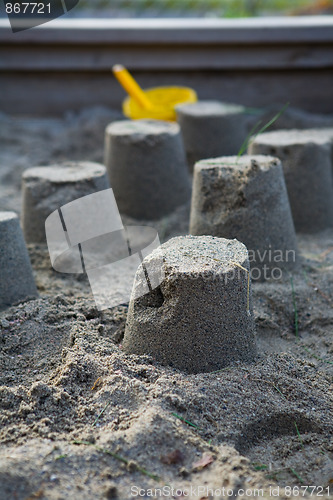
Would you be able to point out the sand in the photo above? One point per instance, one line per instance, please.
(82, 420)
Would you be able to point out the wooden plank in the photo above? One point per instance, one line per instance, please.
(42, 93)
(50, 58)
(311, 29)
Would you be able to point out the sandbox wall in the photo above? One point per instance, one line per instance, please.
(66, 64)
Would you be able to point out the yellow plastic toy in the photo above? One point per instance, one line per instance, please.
(158, 103)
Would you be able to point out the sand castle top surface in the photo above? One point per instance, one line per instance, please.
(65, 172)
(142, 127)
(292, 137)
(198, 254)
(238, 163)
(210, 108)
(5, 216)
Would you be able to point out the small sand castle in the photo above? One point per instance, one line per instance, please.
(306, 156)
(147, 167)
(200, 318)
(46, 189)
(246, 198)
(211, 129)
(16, 279)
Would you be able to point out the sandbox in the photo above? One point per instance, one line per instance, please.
(82, 419)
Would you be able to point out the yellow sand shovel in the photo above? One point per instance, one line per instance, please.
(158, 103)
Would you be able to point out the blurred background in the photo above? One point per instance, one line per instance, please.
(195, 8)
(259, 53)
(200, 8)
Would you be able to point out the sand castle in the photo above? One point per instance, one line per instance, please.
(147, 167)
(16, 279)
(306, 157)
(246, 198)
(211, 129)
(46, 189)
(200, 318)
